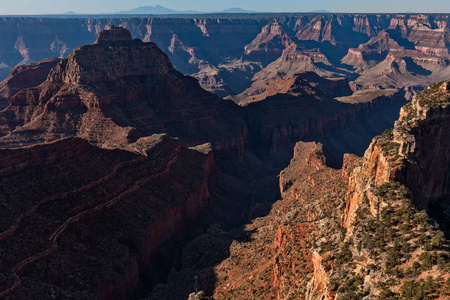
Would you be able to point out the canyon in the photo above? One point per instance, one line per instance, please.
(123, 178)
(355, 232)
(239, 55)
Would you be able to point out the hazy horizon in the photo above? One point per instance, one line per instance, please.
(32, 7)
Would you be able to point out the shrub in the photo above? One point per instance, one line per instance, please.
(387, 295)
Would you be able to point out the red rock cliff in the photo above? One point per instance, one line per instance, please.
(415, 153)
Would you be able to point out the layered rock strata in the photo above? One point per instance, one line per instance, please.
(88, 235)
(115, 91)
(239, 47)
(357, 232)
(25, 76)
(296, 109)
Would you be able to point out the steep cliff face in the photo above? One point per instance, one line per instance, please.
(421, 132)
(414, 153)
(402, 170)
(311, 193)
(357, 232)
(128, 197)
(428, 34)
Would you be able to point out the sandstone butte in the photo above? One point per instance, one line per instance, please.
(114, 164)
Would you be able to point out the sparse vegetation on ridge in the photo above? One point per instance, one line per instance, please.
(434, 96)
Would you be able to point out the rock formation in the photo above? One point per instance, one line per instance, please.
(369, 54)
(24, 76)
(334, 87)
(356, 232)
(118, 90)
(115, 91)
(248, 53)
(91, 234)
(269, 44)
(313, 111)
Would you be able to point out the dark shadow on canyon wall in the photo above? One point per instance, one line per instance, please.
(440, 211)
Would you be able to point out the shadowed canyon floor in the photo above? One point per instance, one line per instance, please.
(122, 178)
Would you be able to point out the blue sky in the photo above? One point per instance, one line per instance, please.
(108, 6)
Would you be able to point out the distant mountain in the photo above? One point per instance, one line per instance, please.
(161, 10)
(238, 10)
(321, 11)
(70, 13)
(156, 10)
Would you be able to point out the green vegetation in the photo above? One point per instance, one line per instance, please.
(351, 289)
(421, 290)
(387, 294)
(433, 96)
(385, 140)
(345, 255)
(395, 237)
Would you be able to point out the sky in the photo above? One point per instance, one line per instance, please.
(23, 7)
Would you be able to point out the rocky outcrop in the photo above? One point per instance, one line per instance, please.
(318, 286)
(269, 44)
(376, 169)
(295, 59)
(295, 86)
(212, 79)
(354, 232)
(369, 54)
(421, 132)
(24, 76)
(115, 91)
(414, 153)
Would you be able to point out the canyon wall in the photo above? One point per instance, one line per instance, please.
(414, 153)
(302, 109)
(228, 55)
(359, 231)
(409, 162)
(46, 238)
(119, 89)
